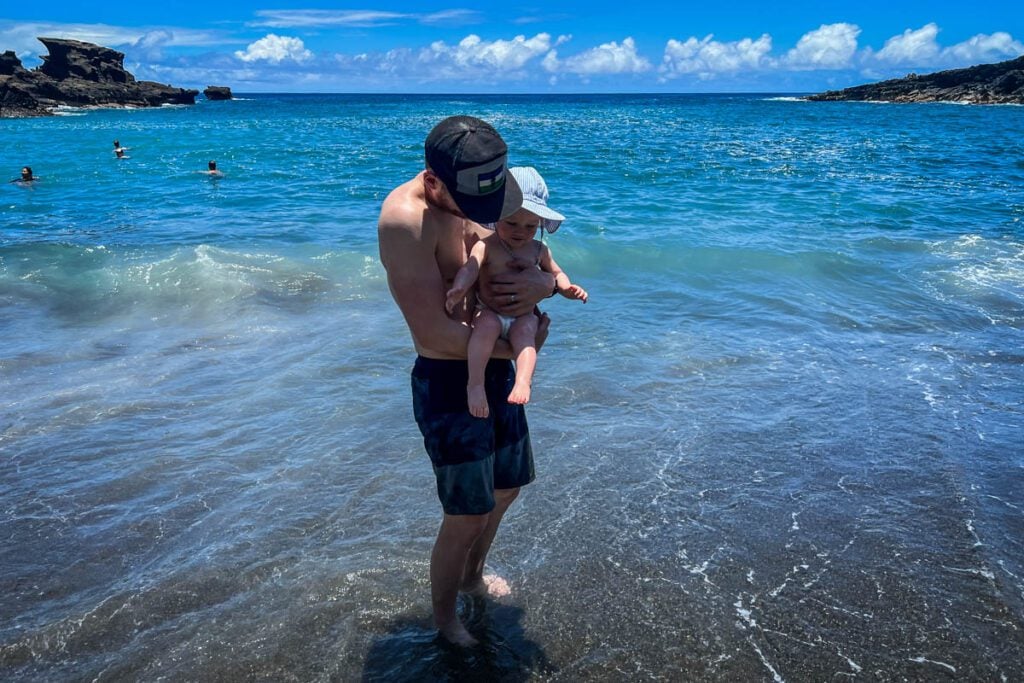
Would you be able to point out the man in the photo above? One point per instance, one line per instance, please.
(211, 170)
(427, 227)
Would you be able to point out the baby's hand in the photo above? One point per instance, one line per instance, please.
(453, 298)
(575, 292)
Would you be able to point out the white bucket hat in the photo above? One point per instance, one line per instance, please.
(535, 196)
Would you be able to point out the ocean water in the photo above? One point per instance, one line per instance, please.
(784, 440)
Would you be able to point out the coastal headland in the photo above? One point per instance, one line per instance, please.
(1000, 83)
(78, 74)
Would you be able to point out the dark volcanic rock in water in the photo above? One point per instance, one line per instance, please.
(78, 74)
(1001, 83)
(218, 92)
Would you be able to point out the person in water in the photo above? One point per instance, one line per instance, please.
(212, 170)
(426, 227)
(26, 176)
(513, 237)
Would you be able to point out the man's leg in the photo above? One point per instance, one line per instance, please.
(473, 573)
(455, 539)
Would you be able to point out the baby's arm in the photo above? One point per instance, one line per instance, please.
(562, 283)
(466, 277)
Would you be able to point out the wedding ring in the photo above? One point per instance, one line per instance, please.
(511, 298)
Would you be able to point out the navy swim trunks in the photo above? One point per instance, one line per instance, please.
(471, 456)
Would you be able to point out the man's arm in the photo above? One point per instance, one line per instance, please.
(418, 288)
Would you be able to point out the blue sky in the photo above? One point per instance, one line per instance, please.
(451, 46)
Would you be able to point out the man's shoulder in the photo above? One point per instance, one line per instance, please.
(402, 209)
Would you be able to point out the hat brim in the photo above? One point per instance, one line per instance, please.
(549, 218)
(490, 208)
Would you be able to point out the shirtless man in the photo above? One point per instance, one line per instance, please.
(427, 227)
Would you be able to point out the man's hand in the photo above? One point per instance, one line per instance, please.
(519, 290)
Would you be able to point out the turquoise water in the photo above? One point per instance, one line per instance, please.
(783, 440)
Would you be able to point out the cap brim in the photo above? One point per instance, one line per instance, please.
(490, 208)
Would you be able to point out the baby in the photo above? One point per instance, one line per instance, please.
(512, 239)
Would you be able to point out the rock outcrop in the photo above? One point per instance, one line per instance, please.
(78, 74)
(218, 92)
(1001, 83)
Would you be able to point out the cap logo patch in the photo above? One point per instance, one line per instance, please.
(492, 180)
(482, 180)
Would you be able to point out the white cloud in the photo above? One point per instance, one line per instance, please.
(150, 46)
(314, 18)
(912, 48)
(275, 49)
(324, 18)
(709, 57)
(983, 48)
(453, 17)
(608, 58)
(21, 36)
(831, 46)
(473, 52)
(920, 49)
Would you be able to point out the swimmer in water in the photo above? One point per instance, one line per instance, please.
(212, 170)
(26, 176)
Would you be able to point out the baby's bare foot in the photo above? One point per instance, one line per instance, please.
(477, 397)
(520, 394)
(489, 584)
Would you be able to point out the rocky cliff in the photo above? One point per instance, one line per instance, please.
(78, 74)
(218, 92)
(1001, 83)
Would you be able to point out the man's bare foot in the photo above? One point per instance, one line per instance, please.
(520, 394)
(477, 396)
(456, 634)
(490, 584)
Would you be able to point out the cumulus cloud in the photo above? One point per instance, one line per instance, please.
(920, 49)
(709, 57)
(983, 48)
(912, 48)
(275, 49)
(472, 52)
(608, 58)
(831, 46)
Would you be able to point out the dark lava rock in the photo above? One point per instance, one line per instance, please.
(218, 92)
(78, 74)
(1000, 83)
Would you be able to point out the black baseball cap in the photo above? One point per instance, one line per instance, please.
(471, 159)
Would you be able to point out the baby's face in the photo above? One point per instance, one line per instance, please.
(518, 229)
